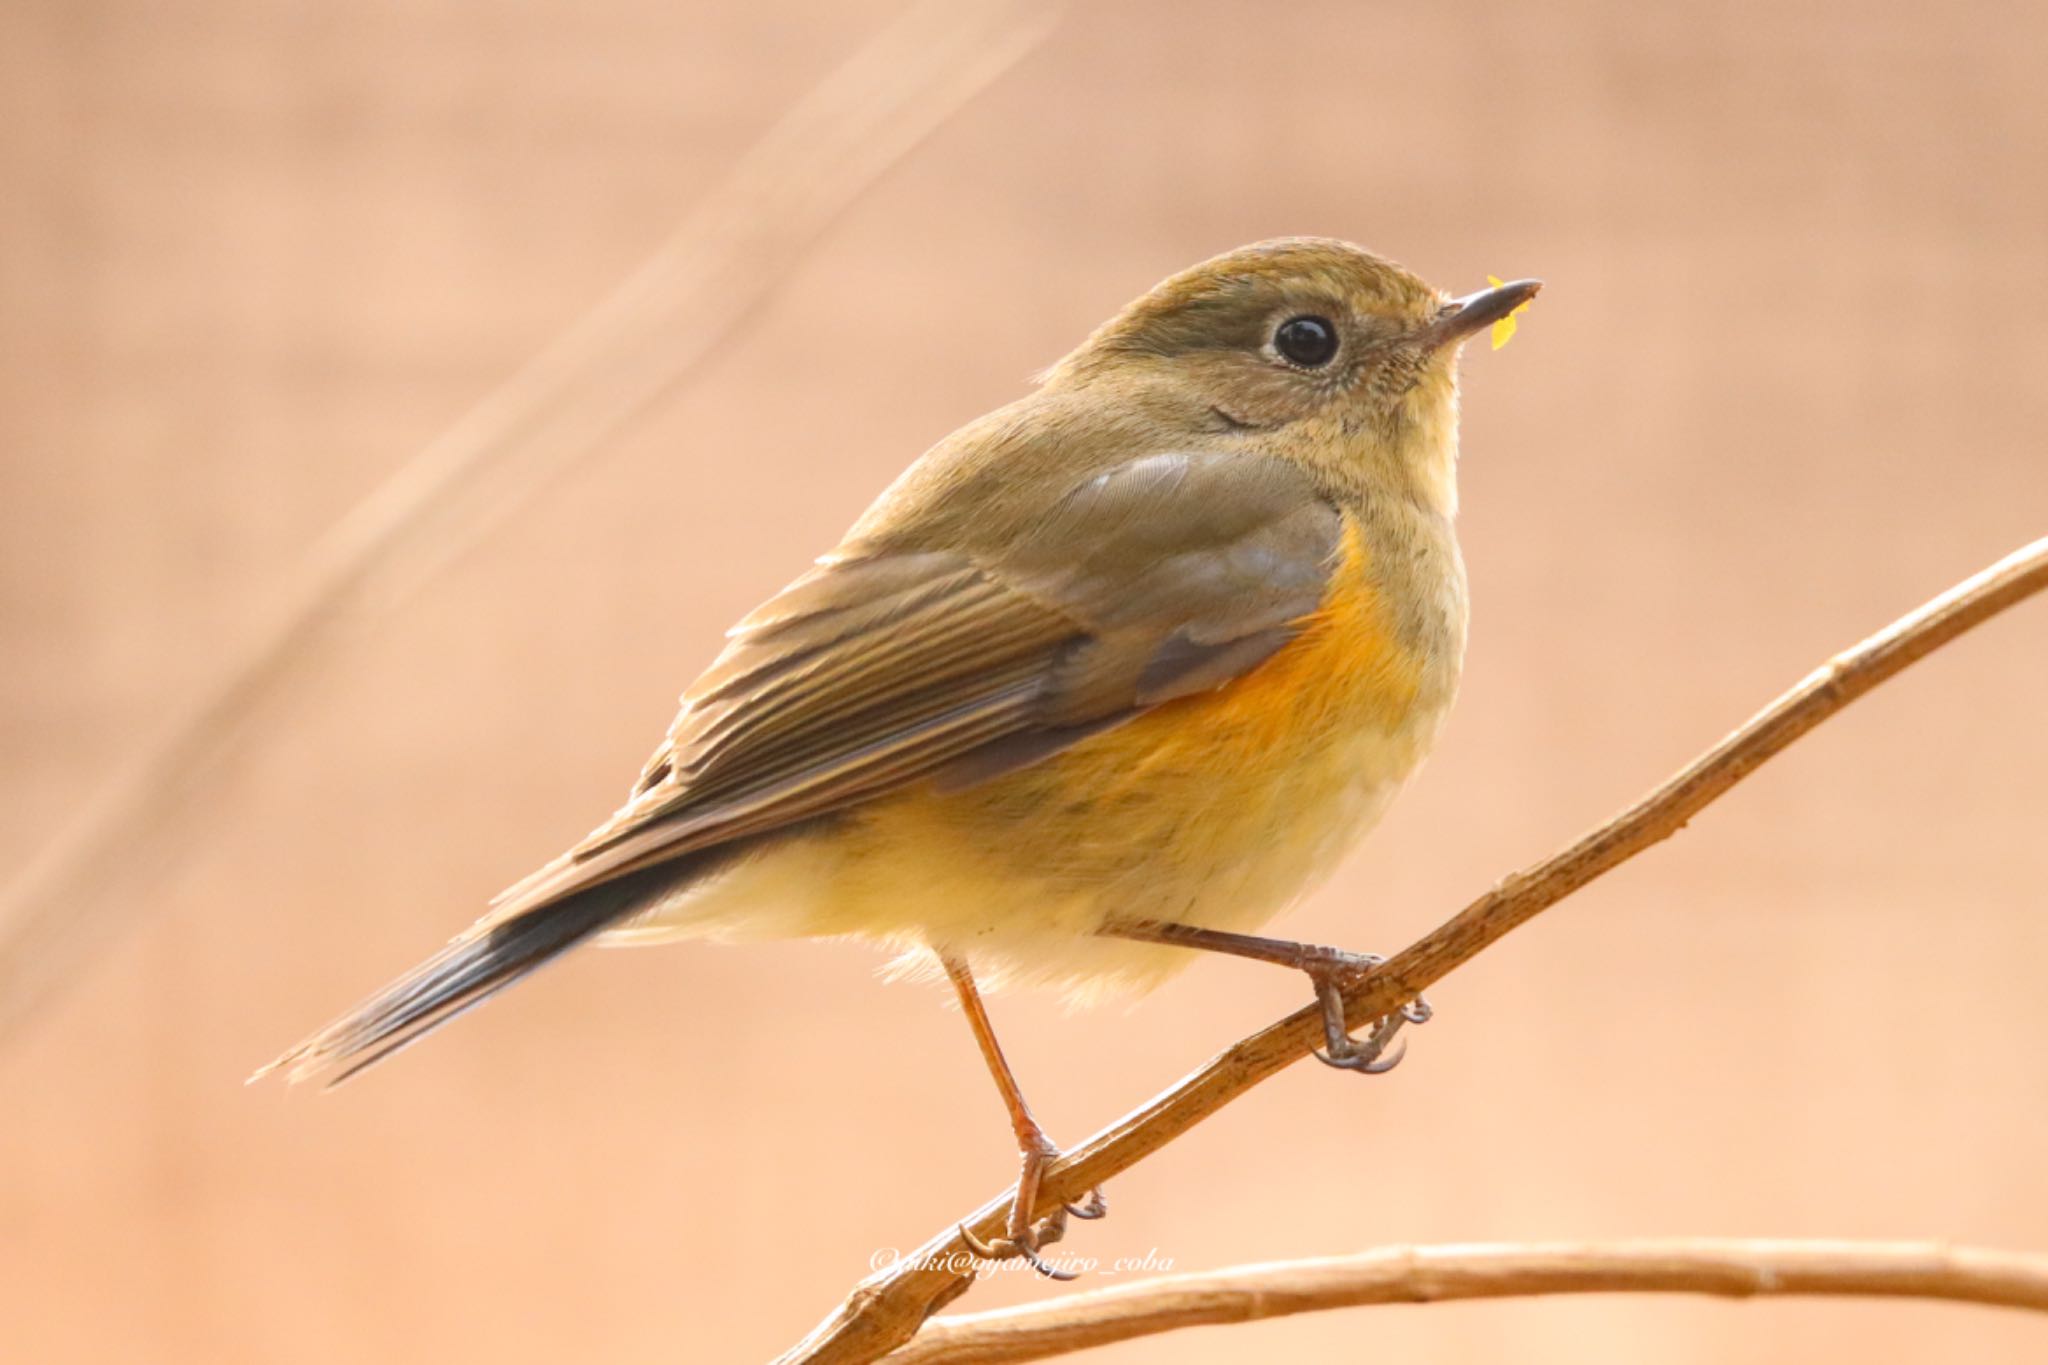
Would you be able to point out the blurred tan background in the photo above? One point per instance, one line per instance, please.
(1785, 383)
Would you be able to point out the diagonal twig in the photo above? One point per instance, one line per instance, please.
(885, 1310)
(1728, 1268)
(745, 236)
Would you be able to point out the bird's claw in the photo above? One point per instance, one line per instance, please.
(1368, 1056)
(1023, 1239)
(1027, 1242)
(1093, 1207)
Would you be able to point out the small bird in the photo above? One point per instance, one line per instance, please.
(1114, 672)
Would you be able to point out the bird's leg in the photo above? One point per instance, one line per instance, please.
(1023, 1237)
(1330, 969)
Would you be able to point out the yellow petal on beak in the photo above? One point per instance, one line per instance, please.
(1504, 330)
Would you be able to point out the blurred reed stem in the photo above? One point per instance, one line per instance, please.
(744, 238)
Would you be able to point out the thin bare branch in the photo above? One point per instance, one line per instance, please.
(1737, 1269)
(744, 238)
(885, 1310)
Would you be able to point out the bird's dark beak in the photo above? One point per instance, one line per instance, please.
(1460, 318)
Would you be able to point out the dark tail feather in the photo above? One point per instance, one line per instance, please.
(469, 971)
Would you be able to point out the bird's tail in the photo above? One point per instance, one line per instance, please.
(469, 971)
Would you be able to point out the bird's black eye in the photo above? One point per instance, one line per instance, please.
(1307, 341)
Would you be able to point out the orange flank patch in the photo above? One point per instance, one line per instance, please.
(1344, 671)
(1343, 660)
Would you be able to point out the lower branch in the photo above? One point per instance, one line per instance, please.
(885, 1310)
(1730, 1268)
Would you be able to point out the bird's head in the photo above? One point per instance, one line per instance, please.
(1306, 346)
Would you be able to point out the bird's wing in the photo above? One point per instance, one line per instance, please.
(885, 665)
